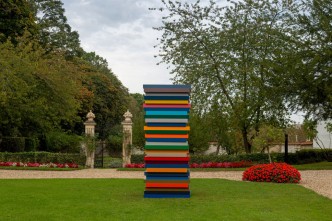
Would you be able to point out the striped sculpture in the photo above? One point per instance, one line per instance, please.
(166, 133)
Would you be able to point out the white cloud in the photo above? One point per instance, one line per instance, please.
(121, 31)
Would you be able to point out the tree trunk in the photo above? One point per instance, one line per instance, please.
(246, 144)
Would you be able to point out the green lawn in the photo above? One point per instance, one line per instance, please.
(315, 166)
(122, 199)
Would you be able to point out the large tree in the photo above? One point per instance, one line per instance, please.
(231, 56)
(311, 63)
(16, 17)
(54, 31)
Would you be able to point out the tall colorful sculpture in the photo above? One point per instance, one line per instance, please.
(166, 133)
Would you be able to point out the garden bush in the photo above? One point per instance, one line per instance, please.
(42, 157)
(115, 163)
(63, 142)
(300, 157)
(272, 172)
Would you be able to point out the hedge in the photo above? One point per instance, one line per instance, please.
(42, 157)
(300, 157)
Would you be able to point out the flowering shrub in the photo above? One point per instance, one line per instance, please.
(135, 165)
(272, 172)
(48, 165)
(221, 165)
(203, 165)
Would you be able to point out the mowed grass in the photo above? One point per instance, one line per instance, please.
(122, 199)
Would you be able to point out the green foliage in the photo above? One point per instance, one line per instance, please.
(135, 158)
(138, 131)
(267, 136)
(16, 17)
(199, 134)
(55, 33)
(37, 93)
(57, 141)
(300, 157)
(42, 157)
(310, 63)
(231, 56)
(115, 139)
(18, 144)
(115, 163)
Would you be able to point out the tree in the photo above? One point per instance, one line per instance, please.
(37, 94)
(16, 17)
(232, 56)
(311, 65)
(55, 33)
(267, 136)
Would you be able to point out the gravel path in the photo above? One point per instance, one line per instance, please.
(319, 181)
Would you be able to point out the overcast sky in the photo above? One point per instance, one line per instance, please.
(121, 31)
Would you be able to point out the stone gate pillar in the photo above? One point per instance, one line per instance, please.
(90, 141)
(127, 138)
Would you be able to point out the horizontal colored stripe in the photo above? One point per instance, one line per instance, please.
(166, 139)
(166, 86)
(185, 143)
(166, 132)
(164, 195)
(154, 174)
(166, 120)
(167, 109)
(166, 155)
(166, 170)
(168, 162)
(166, 90)
(166, 181)
(168, 185)
(166, 102)
(168, 113)
(149, 165)
(166, 124)
(166, 97)
(187, 128)
(167, 94)
(166, 190)
(166, 135)
(167, 116)
(187, 106)
(166, 158)
(156, 147)
(167, 178)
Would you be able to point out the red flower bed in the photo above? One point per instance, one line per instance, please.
(50, 165)
(135, 165)
(203, 165)
(221, 165)
(272, 172)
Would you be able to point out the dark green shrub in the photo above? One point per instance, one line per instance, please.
(300, 157)
(137, 158)
(115, 163)
(42, 157)
(63, 142)
(12, 144)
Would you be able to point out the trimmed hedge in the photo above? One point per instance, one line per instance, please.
(42, 157)
(300, 157)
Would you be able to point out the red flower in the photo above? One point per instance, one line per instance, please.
(274, 172)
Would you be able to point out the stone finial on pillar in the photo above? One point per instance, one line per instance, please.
(127, 138)
(90, 124)
(90, 145)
